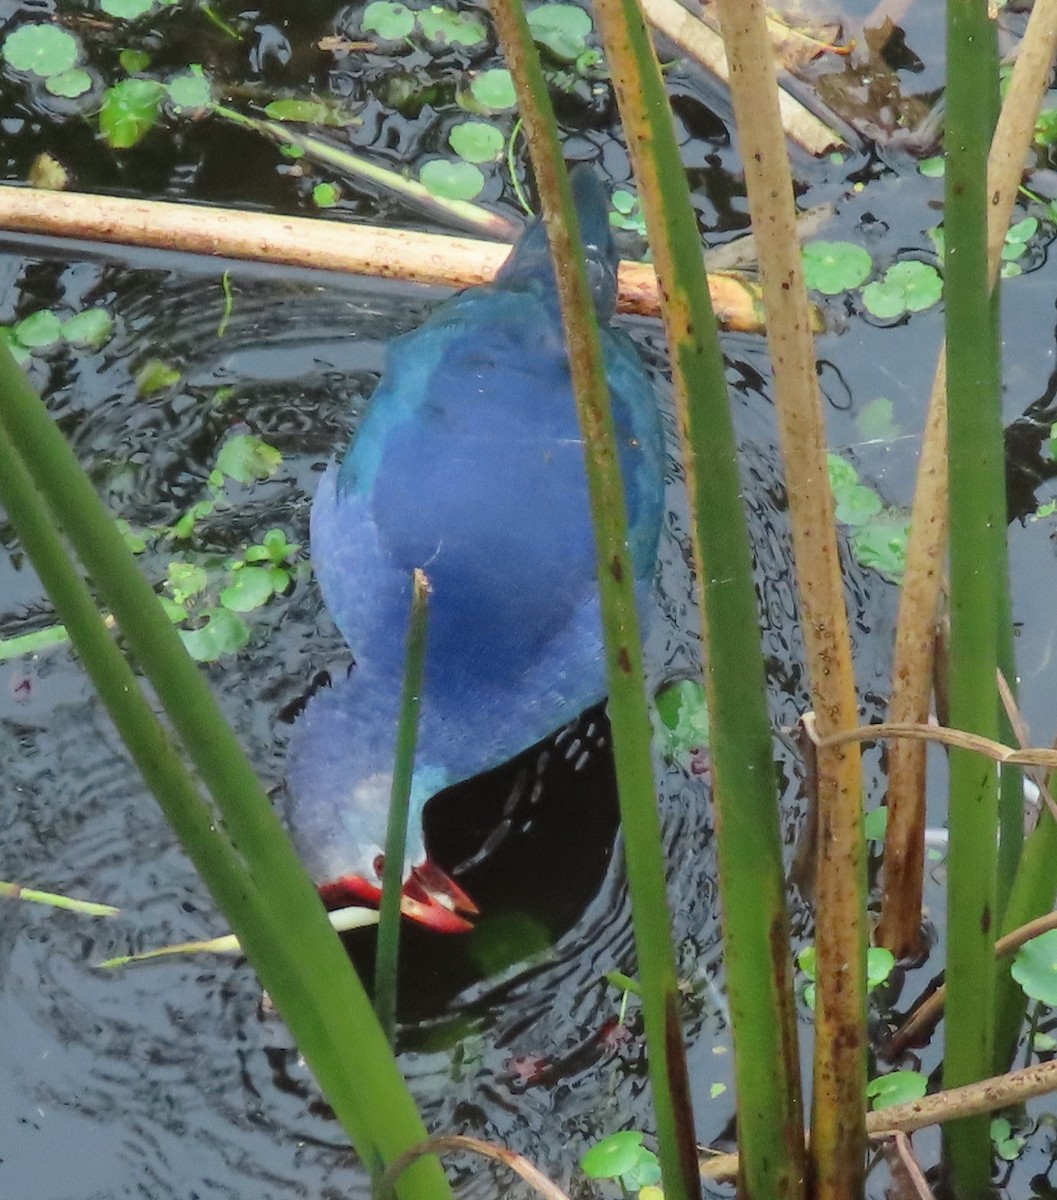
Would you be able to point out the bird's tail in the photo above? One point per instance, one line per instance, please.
(529, 264)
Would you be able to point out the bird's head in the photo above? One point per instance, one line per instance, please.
(529, 263)
(338, 786)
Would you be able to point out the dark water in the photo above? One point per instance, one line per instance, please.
(173, 1079)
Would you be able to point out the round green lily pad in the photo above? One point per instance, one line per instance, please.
(41, 50)
(494, 89)
(835, 267)
(897, 1087)
(92, 328)
(126, 10)
(251, 588)
(561, 28)
(476, 141)
(613, 1155)
(70, 84)
(38, 330)
(907, 286)
(1035, 968)
(223, 633)
(451, 180)
(388, 20)
(455, 28)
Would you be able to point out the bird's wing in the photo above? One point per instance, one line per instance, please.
(469, 463)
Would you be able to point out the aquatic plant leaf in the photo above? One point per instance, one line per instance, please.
(38, 330)
(835, 267)
(1008, 1145)
(41, 50)
(857, 504)
(561, 28)
(186, 580)
(388, 20)
(126, 10)
(18, 352)
(1035, 968)
(451, 180)
(1023, 231)
(1046, 127)
(627, 212)
(494, 89)
(613, 1155)
(683, 711)
(134, 61)
(875, 824)
(882, 544)
(274, 548)
(932, 168)
(455, 28)
(880, 963)
(907, 286)
(92, 328)
(155, 376)
(325, 195)
(246, 458)
(876, 421)
(807, 961)
(499, 941)
(190, 91)
(70, 84)
(310, 112)
(476, 142)
(130, 110)
(252, 588)
(134, 540)
(185, 526)
(224, 632)
(897, 1087)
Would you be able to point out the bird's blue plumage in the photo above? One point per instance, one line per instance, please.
(469, 464)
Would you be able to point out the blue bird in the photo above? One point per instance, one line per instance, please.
(468, 463)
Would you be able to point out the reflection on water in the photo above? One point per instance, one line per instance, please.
(172, 1079)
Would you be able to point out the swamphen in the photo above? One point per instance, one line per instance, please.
(469, 464)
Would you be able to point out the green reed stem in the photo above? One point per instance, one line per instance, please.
(385, 965)
(756, 926)
(978, 579)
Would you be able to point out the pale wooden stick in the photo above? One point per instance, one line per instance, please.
(457, 1141)
(456, 262)
(989, 1095)
(925, 1017)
